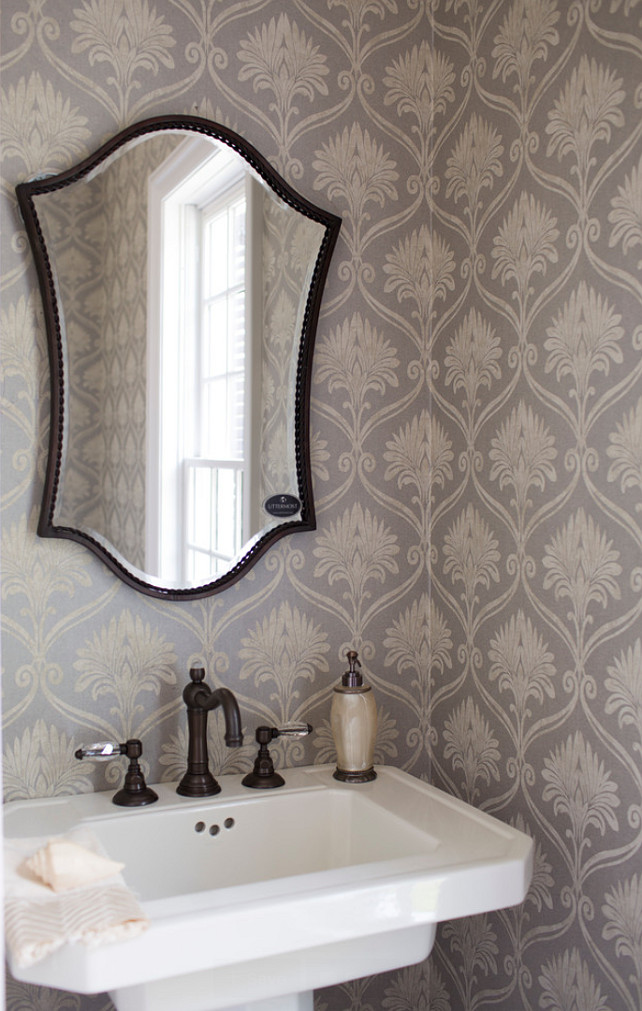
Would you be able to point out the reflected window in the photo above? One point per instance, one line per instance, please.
(203, 206)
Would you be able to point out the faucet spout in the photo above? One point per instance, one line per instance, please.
(225, 698)
(199, 699)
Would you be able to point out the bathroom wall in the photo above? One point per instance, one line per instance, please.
(476, 427)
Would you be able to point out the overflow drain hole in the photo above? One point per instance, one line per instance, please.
(214, 829)
(200, 826)
(229, 823)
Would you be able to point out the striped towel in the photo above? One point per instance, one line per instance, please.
(38, 920)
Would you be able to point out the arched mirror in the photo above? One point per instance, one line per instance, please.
(181, 278)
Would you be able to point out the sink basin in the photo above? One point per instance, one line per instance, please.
(257, 897)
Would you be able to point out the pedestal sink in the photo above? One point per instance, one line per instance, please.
(257, 897)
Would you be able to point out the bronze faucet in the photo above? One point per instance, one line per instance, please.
(198, 781)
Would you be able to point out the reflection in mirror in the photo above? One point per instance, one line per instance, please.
(181, 279)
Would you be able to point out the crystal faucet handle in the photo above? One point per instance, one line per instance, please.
(100, 751)
(263, 775)
(293, 730)
(135, 792)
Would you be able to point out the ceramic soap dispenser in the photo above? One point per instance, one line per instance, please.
(353, 718)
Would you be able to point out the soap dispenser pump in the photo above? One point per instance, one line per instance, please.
(353, 718)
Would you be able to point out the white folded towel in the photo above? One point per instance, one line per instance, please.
(92, 908)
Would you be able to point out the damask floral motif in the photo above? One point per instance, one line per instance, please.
(420, 83)
(420, 268)
(357, 549)
(580, 788)
(278, 57)
(355, 357)
(319, 457)
(123, 660)
(585, 113)
(568, 985)
(623, 923)
(527, 34)
(584, 338)
(354, 993)
(471, 747)
(38, 571)
(416, 988)
(472, 358)
(522, 454)
(355, 170)
(280, 321)
(419, 642)
(288, 649)
(525, 244)
(470, 552)
(475, 940)
(582, 565)
(18, 340)
(625, 450)
(40, 763)
(475, 163)
(128, 36)
(624, 684)
(626, 213)
(40, 126)
(419, 645)
(521, 662)
(420, 455)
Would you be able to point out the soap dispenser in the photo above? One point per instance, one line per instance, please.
(353, 718)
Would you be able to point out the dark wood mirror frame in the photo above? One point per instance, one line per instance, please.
(53, 314)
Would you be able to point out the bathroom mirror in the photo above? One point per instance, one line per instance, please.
(181, 279)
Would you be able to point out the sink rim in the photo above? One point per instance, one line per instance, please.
(313, 909)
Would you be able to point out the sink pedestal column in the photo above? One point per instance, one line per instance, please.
(291, 1002)
(165, 995)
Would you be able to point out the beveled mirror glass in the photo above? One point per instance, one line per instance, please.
(181, 279)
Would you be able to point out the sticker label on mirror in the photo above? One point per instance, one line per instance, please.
(282, 505)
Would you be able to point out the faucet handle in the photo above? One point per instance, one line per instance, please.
(135, 792)
(290, 730)
(263, 776)
(100, 751)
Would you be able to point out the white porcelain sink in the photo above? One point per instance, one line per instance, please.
(257, 897)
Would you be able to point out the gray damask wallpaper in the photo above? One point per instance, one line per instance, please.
(96, 233)
(476, 427)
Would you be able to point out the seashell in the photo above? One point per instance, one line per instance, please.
(63, 865)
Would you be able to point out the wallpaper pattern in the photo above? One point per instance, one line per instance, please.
(477, 434)
(96, 235)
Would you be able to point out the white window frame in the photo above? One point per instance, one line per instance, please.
(199, 169)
